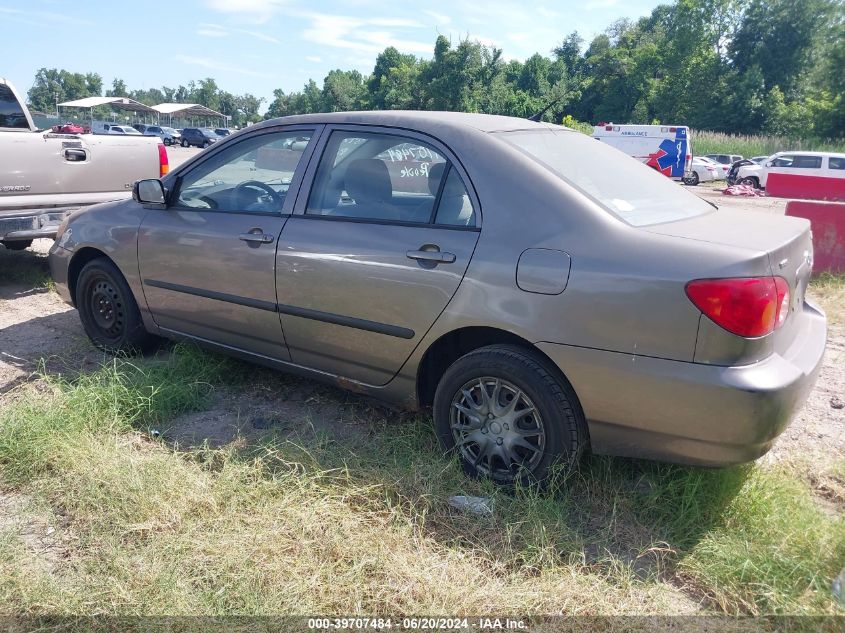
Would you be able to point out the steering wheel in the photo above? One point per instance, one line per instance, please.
(266, 190)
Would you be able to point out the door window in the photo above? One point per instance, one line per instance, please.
(385, 177)
(11, 112)
(251, 176)
(836, 163)
(807, 162)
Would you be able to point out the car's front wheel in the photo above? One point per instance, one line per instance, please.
(168, 142)
(507, 416)
(185, 143)
(108, 311)
(751, 180)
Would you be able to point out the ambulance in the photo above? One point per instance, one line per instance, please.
(666, 148)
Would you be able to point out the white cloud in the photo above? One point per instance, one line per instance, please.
(211, 33)
(50, 18)
(212, 64)
(254, 10)
(342, 31)
(438, 17)
(215, 30)
(600, 4)
(314, 58)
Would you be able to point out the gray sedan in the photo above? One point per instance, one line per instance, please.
(487, 267)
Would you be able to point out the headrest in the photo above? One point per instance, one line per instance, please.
(367, 180)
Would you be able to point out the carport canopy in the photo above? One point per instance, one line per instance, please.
(116, 103)
(186, 110)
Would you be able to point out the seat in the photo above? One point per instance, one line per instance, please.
(368, 183)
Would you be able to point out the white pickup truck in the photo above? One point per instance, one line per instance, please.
(44, 175)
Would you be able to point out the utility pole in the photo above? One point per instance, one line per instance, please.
(56, 97)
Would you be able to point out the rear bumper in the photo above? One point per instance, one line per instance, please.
(32, 225)
(692, 413)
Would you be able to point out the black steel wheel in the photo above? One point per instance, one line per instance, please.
(108, 310)
(508, 416)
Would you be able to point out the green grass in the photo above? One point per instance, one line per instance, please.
(25, 268)
(320, 522)
(706, 142)
(829, 290)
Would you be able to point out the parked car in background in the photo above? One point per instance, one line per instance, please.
(702, 170)
(759, 159)
(199, 137)
(168, 135)
(222, 131)
(124, 130)
(664, 148)
(813, 175)
(542, 292)
(47, 175)
(725, 160)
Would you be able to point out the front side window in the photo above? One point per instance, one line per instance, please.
(251, 176)
(783, 161)
(372, 176)
(622, 185)
(835, 162)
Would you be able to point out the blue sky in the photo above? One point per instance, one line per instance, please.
(259, 45)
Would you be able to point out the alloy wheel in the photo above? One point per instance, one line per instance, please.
(497, 428)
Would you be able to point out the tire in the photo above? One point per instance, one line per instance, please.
(108, 311)
(751, 180)
(509, 373)
(17, 245)
(185, 143)
(206, 144)
(168, 142)
(693, 180)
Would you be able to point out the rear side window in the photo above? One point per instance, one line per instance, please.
(807, 162)
(622, 185)
(372, 176)
(836, 163)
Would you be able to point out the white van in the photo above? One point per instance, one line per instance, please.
(666, 148)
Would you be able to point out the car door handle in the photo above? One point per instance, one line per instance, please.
(259, 238)
(432, 256)
(75, 155)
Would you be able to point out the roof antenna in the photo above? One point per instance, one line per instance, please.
(539, 116)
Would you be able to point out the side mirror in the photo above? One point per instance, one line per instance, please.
(770, 163)
(149, 191)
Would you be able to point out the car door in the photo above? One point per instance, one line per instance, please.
(384, 229)
(207, 261)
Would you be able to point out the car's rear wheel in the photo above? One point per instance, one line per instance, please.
(507, 416)
(692, 179)
(108, 311)
(185, 143)
(17, 245)
(206, 144)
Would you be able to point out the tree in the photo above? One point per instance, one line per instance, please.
(53, 86)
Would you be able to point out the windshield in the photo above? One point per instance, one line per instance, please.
(624, 186)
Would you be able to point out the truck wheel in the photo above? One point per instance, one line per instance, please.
(185, 143)
(17, 245)
(507, 416)
(108, 311)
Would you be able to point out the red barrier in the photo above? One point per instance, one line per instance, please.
(828, 222)
(805, 187)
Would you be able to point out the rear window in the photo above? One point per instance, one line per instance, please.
(11, 112)
(624, 186)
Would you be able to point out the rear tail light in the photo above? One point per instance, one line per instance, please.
(747, 306)
(163, 161)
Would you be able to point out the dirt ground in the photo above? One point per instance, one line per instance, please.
(38, 330)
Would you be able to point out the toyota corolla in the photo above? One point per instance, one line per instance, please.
(483, 266)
